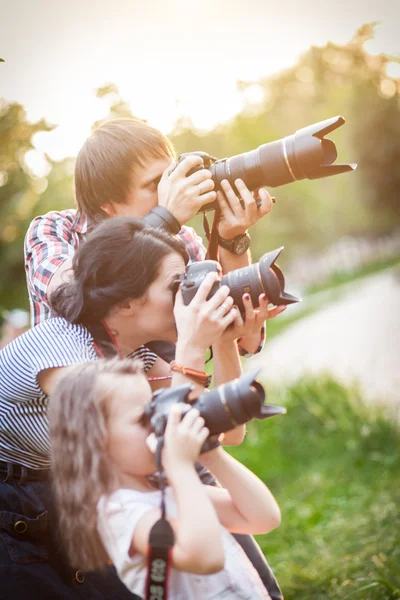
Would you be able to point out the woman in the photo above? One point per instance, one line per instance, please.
(122, 290)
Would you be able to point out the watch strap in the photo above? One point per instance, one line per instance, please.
(231, 245)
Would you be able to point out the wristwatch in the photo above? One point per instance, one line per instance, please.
(238, 245)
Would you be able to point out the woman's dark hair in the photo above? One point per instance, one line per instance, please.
(120, 259)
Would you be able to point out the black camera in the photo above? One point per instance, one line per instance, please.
(303, 155)
(223, 408)
(264, 277)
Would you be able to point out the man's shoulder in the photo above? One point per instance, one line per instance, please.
(193, 243)
(55, 226)
(68, 215)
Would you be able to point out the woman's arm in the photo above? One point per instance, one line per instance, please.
(245, 505)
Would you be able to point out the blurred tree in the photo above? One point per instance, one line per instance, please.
(23, 195)
(326, 81)
(117, 106)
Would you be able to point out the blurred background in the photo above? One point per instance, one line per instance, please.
(224, 78)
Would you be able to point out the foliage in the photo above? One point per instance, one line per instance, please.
(334, 467)
(308, 217)
(19, 196)
(23, 195)
(118, 108)
(325, 81)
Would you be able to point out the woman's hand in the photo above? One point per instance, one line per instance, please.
(184, 195)
(254, 319)
(239, 214)
(202, 322)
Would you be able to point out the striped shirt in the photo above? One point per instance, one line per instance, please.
(24, 436)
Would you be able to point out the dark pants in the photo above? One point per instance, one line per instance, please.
(31, 564)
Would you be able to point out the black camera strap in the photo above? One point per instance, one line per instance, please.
(212, 235)
(161, 541)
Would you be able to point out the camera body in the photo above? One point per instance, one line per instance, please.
(223, 408)
(264, 277)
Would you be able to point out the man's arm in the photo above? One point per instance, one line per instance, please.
(237, 216)
(49, 246)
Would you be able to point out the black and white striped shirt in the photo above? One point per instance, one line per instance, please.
(24, 436)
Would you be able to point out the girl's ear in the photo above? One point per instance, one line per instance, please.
(109, 209)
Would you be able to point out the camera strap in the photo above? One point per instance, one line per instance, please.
(105, 343)
(161, 541)
(212, 235)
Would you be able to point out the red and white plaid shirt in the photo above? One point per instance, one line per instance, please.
(54, 237)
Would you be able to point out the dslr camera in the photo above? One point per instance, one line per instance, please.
(264, 277)
(223, 408)
(306, 154)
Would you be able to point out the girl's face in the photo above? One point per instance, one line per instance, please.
(127, 446)
(155, 313)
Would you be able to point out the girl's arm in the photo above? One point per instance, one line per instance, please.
(245, 505)
(198, 544)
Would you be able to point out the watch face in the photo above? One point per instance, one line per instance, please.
(242, 245)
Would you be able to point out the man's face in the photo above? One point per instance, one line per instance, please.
(143, 194)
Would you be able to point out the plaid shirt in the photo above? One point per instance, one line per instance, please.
(54, 237)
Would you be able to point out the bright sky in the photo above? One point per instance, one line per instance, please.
(169, 58)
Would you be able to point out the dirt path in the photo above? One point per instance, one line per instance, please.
(356, 339)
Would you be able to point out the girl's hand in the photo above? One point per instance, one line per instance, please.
(202, 322)
(183, 438)
(239, 214)
(254, 319)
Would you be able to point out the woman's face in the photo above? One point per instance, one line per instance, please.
(155, 310)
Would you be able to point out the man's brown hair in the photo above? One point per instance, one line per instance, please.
(107, 160)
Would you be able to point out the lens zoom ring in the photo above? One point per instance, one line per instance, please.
(236, 168)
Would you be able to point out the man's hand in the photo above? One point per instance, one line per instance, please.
(184, 196)
(238, 214)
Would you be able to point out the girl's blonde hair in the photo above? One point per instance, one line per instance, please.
(81, 469)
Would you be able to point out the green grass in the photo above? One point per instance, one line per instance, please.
(334, 468)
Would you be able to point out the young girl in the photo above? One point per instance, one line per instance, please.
(101, 460)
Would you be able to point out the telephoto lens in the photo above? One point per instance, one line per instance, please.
(306, 154)
(223, 408)
(264, 277)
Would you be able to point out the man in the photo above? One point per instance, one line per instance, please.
(127, 168)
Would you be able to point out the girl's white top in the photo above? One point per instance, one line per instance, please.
(118, 516)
